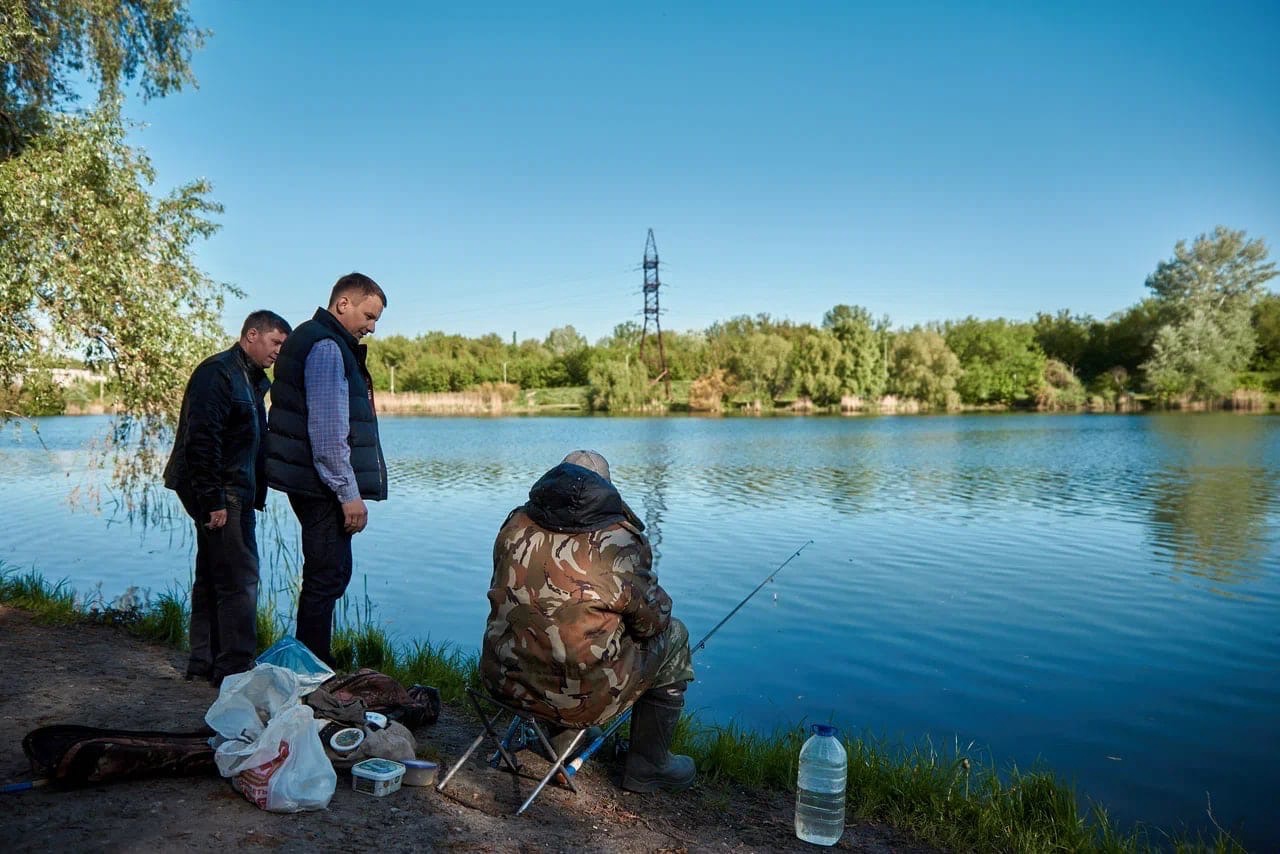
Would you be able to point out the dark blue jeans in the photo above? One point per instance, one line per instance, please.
(326, 570)
(224, 595)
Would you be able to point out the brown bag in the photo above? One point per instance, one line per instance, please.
(74, 756)
(415, 707)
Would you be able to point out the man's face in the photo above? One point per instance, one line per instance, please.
(263, 347)
(359, 318)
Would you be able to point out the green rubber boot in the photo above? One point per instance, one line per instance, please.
(650, 765)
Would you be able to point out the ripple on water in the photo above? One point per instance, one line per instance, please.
(1097, 592)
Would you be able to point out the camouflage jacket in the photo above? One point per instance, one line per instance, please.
(576, 617)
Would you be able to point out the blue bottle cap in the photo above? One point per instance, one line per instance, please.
(824, 729)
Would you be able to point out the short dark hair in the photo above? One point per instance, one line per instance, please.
(265, 321)
(352, 283)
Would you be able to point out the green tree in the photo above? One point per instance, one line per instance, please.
(1123, 342)
(1060, 388)
(761, 362)
(619, 387)
(625, 336)
(1199, 358)
(40, 395)
(385, 353)
(1266, 328)
(1001, 361)
(922, 367)
(815, 363)
(90, 261)
(862, 369)
(564, 340)
(1216, 272)
(49, 48)
(570, 349)
(686, 354)
(1063, 336)
(1209, 289)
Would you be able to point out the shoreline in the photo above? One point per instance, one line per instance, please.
(395, 407)
(955, 802)
(98, 675)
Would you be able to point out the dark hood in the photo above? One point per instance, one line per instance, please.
(571, 499)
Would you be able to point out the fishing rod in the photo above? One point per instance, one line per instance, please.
(571, 768)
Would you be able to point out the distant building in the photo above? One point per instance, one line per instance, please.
(66, 377)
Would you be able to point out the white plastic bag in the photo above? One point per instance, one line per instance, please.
(268, 743)
(246, 701)
(284, 769)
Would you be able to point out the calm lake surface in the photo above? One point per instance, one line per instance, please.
(1099, 592)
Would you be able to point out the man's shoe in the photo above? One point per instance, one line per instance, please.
(194, 673)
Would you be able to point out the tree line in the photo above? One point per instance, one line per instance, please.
(97, 266)
(1208, 328)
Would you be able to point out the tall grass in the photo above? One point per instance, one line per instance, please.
(949, 797)
(490, 399)
(357, 642)
(51, 602)
(952, 798)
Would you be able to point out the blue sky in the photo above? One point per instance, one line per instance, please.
(496, 166)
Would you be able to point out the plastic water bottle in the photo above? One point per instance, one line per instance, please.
(820, 787)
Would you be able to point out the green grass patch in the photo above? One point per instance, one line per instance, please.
(443, 666)
(564, 397)
(164, 620)
(50, 602)
(952, 798)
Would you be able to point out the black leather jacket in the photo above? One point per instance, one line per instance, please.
(219, 447)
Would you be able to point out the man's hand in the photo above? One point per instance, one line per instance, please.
(217, 519)
(354, 516)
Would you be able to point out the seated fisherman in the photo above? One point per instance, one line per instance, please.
(579, 629)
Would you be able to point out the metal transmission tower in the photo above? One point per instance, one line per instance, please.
(651, 310)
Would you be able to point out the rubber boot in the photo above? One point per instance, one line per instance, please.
(650, 764)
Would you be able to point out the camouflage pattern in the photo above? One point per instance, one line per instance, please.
(578, 626)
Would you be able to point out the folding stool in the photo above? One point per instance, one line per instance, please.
(519, 717)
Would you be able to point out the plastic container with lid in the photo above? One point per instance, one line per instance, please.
(346, 739)
(377, 777)
(419, 772)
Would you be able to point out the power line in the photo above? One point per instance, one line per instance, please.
(651, 310)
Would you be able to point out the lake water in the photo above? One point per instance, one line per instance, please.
(1099, 592)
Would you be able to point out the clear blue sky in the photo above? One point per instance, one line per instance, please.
(496, 166)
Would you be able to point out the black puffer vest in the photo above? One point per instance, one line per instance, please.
(289, 465)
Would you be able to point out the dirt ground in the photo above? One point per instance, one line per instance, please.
(99, 676)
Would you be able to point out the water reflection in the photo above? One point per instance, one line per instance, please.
(1004, 578)
(1203, 489)
(1210, 509)
(653, 496)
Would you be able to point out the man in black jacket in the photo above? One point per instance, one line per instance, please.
(218, 470)
(323, 448)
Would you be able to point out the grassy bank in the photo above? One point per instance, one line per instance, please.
(948, 797)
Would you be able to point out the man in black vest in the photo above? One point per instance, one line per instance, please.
(323, 448)
(217, 468)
